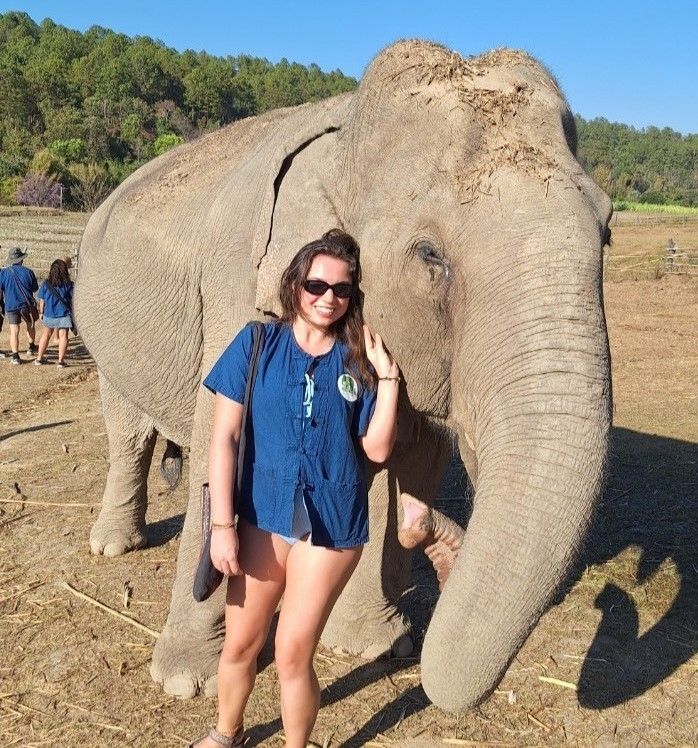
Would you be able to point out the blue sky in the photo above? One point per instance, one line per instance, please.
(635, 63)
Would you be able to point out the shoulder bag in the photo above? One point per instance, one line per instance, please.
(207, 578)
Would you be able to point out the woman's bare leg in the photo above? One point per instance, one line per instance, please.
(250, 604)
(43, 342)
(315, 577)
(62, 343)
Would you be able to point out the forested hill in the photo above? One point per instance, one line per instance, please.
(89, 108)
(81, 111)
(651, 165)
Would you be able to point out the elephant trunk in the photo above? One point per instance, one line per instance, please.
(440, 537)
(530, 391)
(522, 538)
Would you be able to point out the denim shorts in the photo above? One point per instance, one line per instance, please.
(301, 521)
(62, 323)
(16, 316)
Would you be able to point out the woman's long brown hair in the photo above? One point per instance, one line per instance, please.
(350, 328)
(58, 274)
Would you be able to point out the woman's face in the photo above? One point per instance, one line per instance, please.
(325, 309)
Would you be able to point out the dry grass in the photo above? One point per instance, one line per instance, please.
(613, 663)
(47, 234)
(638, 248)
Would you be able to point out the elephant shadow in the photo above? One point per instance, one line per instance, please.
(650, 503)
(77, 351)
(162, 531)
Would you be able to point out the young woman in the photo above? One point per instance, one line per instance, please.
(55, 298)
(325, 395)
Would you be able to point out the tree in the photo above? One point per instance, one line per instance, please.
(39, 190)
(104, 98)
(152, 70)
(91, 184)
(213, 93)
(69, 151)
(48, 69)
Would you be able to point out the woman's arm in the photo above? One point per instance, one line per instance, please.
(382, 429)
(222, 466)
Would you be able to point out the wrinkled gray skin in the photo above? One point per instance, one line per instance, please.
(481, 247)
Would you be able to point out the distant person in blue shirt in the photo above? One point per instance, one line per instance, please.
(55, 303)
(17, 287)
(325, 395)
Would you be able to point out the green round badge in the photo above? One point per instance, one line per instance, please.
(348, 388)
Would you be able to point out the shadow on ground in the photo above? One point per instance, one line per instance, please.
(77, 352)
(651, 502)
(29, 429)
(161, 532)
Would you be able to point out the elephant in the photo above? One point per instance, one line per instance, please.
(481, 245)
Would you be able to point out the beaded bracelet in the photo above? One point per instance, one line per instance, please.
(223, 525)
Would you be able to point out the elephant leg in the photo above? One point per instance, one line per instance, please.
(366, 620)
(185, 658)
(120, 526)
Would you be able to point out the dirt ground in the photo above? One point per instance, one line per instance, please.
(612, 663)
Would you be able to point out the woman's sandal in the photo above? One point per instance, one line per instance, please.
(227, 741)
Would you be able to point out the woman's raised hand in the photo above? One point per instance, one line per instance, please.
(377, 355)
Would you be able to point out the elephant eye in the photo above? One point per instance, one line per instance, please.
(433, 259)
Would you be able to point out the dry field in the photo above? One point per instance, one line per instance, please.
(639, 244)
(47, 234)
(612, 663)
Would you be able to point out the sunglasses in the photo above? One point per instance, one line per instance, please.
(319, 288)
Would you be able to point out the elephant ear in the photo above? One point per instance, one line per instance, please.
(300, 204)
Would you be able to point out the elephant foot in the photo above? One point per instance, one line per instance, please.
(113, 535)
(440, 537)
(370, 632)
(186, 663)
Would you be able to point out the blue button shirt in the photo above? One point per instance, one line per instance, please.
(286, 449)
(18, 285)
(53, 306)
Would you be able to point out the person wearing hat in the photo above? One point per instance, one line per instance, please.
(17, 287)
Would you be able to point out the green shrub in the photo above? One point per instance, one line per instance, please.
(44, 162)
(655, 198)
(69, 151)
(8, 189)
(91, 184)
(166, 141)
(619, 205)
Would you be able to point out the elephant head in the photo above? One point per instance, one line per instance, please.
(481, 245)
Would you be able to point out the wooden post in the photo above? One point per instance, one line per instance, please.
(671, 250)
